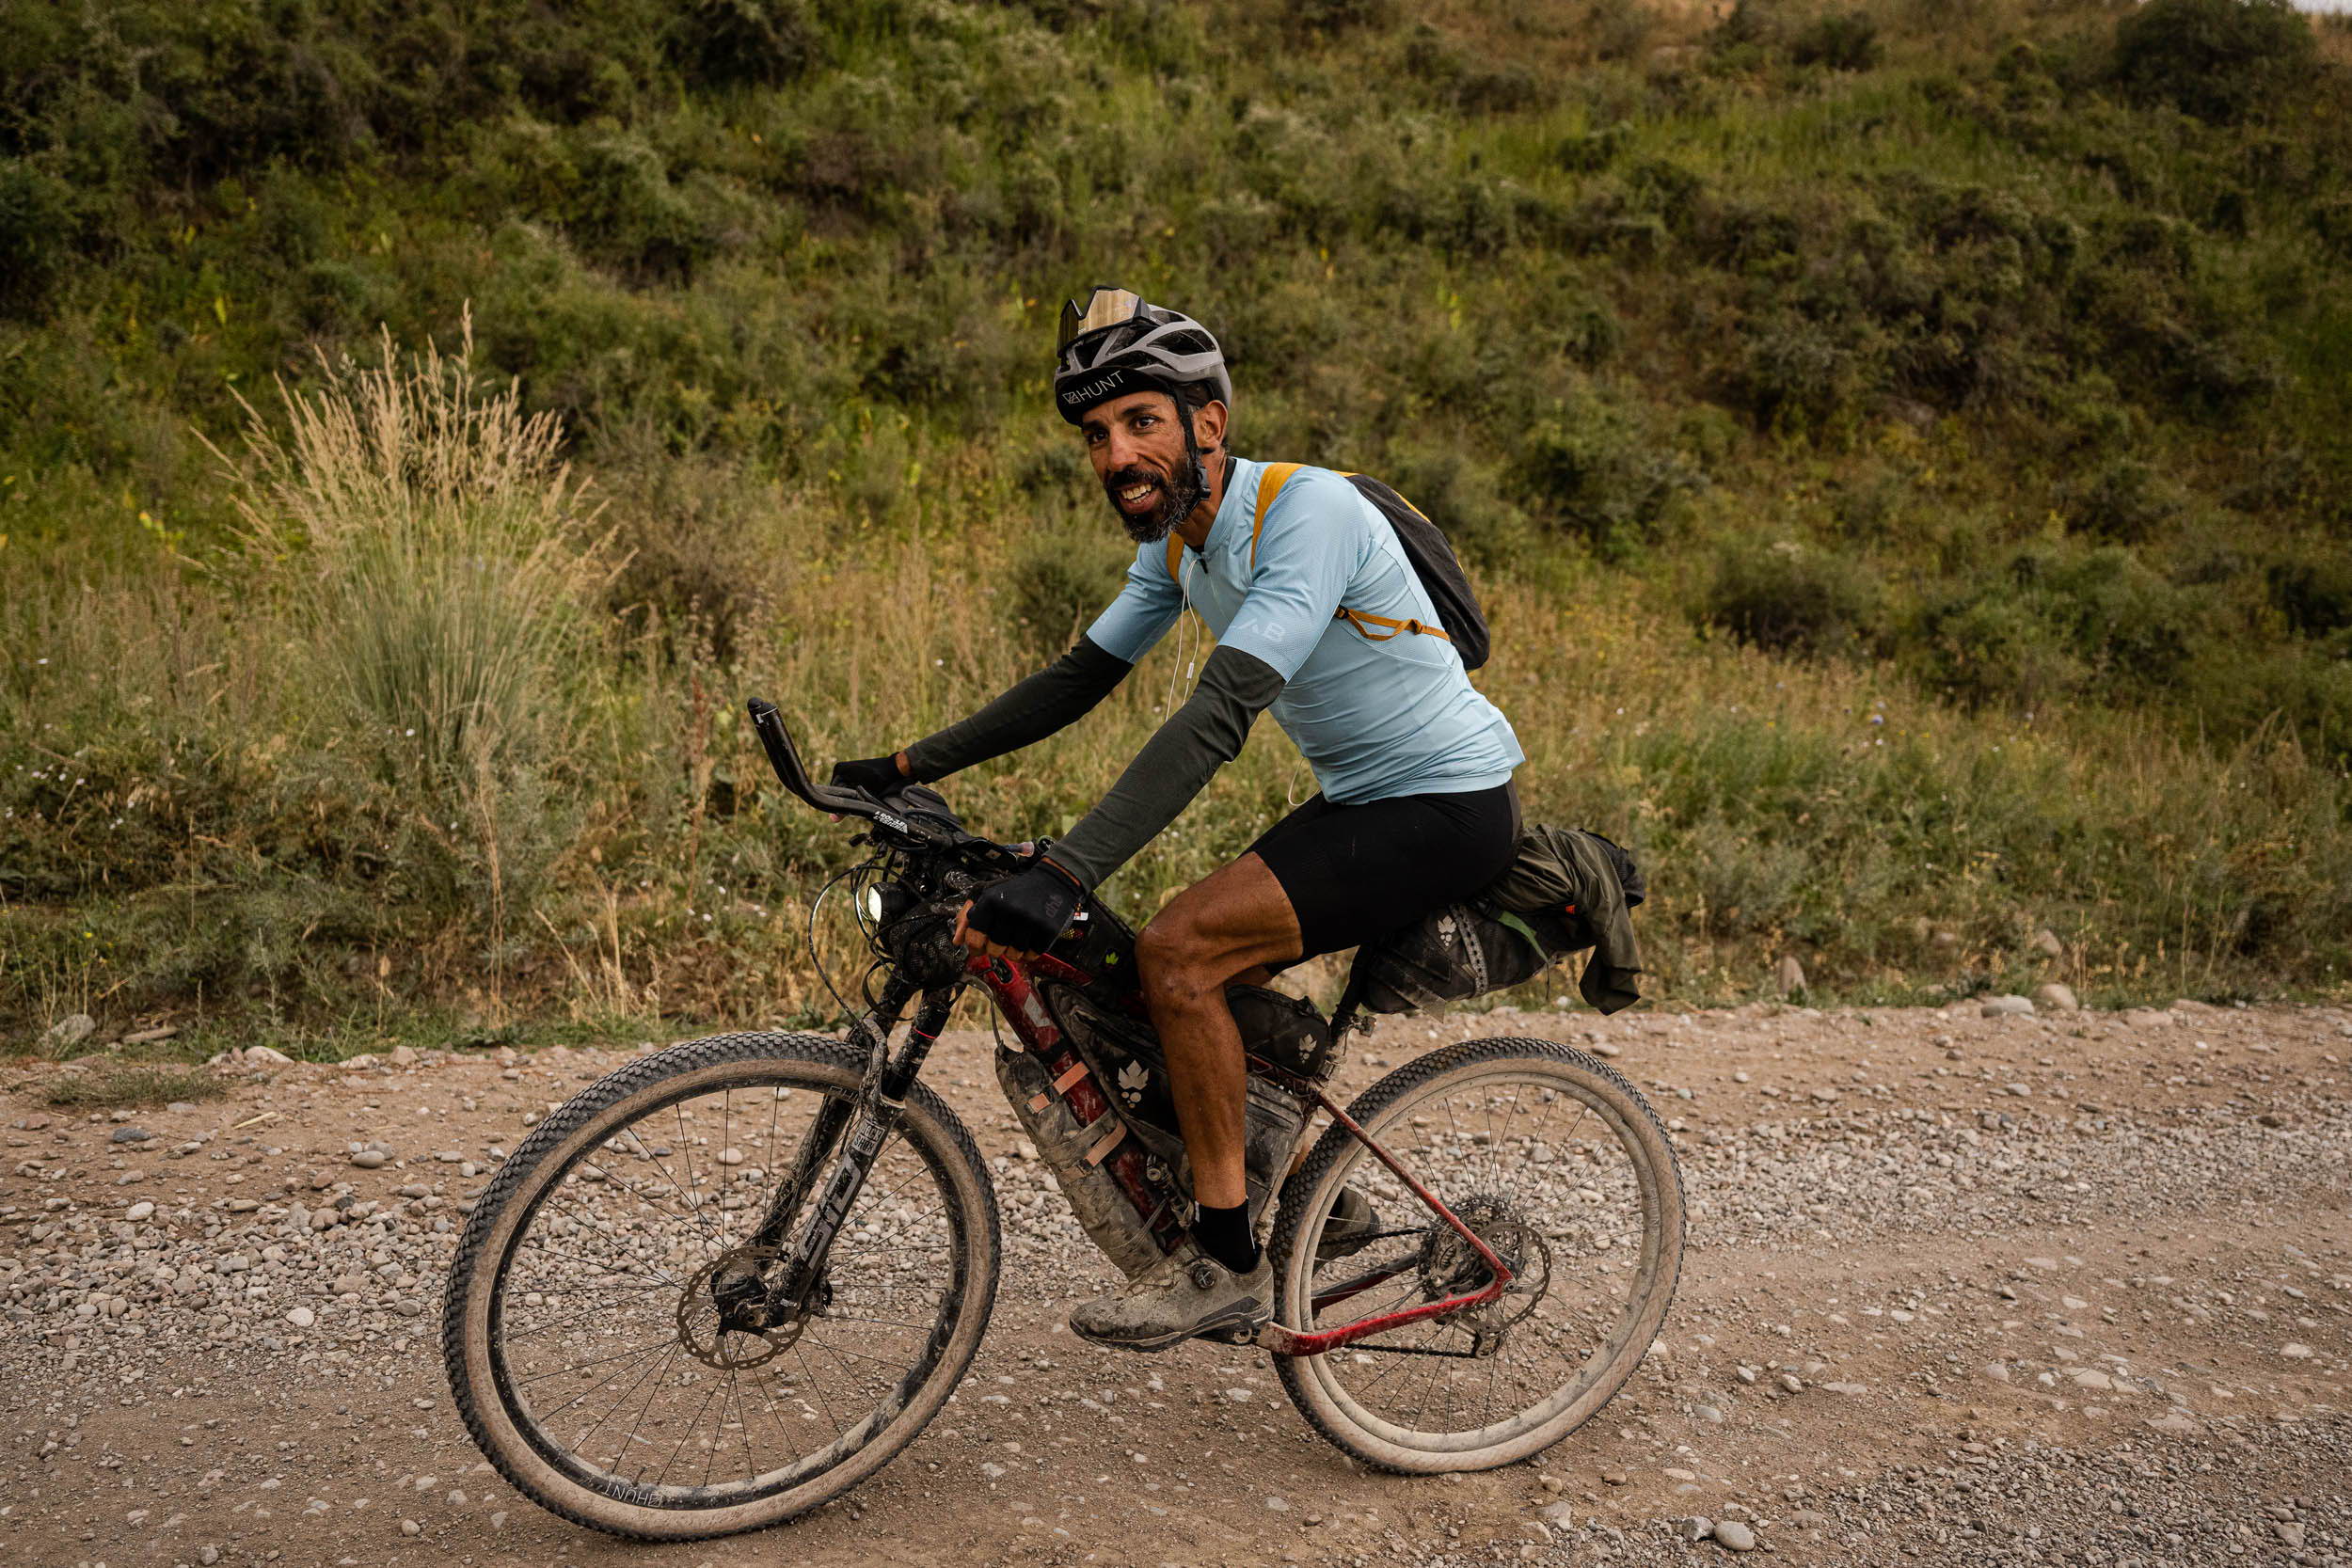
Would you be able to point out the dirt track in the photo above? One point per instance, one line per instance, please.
(1962, 1290)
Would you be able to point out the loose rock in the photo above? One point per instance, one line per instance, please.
(71, 1030)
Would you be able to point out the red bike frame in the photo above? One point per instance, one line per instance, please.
(1010, 984)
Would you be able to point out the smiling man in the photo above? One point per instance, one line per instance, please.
(1320, 617)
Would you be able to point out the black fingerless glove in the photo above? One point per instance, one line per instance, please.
(877, 776)
(1027, 911)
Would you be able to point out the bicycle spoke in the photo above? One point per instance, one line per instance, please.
(640, 1392)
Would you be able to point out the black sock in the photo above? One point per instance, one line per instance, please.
(1224, 1235)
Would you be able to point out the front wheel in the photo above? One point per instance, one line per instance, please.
(1562, 1169)
(593, 1330)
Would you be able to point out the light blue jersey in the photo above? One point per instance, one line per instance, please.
(1374, 720)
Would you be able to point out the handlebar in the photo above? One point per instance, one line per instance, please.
(786, 760)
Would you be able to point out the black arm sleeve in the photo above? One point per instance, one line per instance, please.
(1059, 695)
(1198, 740)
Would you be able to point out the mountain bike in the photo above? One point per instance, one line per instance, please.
(732, 1280)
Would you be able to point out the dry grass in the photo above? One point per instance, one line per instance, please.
(123, 1087)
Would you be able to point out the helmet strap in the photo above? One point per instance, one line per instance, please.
(1196, 478)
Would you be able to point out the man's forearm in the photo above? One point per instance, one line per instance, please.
(1174, 766)
(1057, 696)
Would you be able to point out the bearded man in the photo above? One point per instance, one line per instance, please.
(1321, 618)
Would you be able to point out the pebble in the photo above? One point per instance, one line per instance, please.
(730, 1156)
(72, 1029)
(1694, 1528)
(1556, 1513)
(267, 1057)
(2292, 1351)
(128, 1135)
(371, 1159)
(1734, 1536)
(2057, 998)
(138, 1211)
(302, 1317)
(2006, 1007)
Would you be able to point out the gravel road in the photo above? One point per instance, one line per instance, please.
(2070, 1289)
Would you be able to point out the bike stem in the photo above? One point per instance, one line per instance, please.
(869, 1121)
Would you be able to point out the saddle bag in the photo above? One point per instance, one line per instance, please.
(1565, 890)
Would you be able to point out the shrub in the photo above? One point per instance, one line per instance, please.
(1598, 470)
(1062, 579)
(1984, 646)
(2220, 61)
(36, 227)
(1800, 377)
(1788, 597)
(2313, 591)
(744, 43)
(432, 549)
(1842, 41)
(2123, 501)
(1590, 151)
(2120, 617)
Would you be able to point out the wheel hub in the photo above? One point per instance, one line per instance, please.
(725, 1318)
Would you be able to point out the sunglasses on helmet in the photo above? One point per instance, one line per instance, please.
(1101, 307)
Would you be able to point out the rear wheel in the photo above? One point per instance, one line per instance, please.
(583, 1331)
(1561, 1167)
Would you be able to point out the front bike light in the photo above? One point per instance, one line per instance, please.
(885, 902)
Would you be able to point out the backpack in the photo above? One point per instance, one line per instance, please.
(1460, 621)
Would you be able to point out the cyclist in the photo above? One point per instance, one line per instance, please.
(1416, 808)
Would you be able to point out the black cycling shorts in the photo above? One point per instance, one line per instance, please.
(1355, 874)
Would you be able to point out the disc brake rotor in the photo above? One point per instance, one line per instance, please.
(1449, 1266)
(723, 1315)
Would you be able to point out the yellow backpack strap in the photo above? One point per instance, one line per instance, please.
(1364, 622)
(1175, 557)
(1269, 485)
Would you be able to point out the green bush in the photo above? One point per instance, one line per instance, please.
(1062, 579)
(36, 236)
(1787, 598)
(2221, 60)
(1600, 470)
(1841, 40)
(731, 43)
(2313, 591)
(2123, 501)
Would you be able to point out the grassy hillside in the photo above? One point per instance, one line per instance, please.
(1908, 448)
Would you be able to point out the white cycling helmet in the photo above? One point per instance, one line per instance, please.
(1112, 343)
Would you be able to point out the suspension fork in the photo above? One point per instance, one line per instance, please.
(857, 1129)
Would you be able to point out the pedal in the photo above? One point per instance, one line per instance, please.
(1234, 1334)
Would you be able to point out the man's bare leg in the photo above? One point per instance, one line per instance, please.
(1221, 930)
